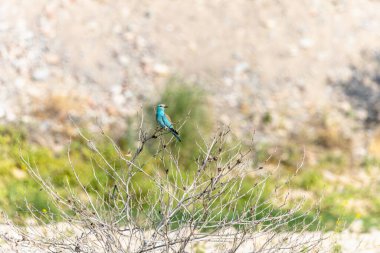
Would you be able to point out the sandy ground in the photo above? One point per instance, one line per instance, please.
(346, 242)
(101, 60)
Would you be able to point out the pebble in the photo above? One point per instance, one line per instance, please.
(129, 36)
(345, 106)
(293, 51)
(270, 23)
(52, 59)
(117, 29)
(356, 226)
(241, 68)
(41, 74)
(123, 60)
(140, 43)
(361, 114)
(119, 99)
(225, 119)
(306, 43)
(161, 69)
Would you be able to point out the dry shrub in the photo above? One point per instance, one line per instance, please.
(217, 204)
(58, 106)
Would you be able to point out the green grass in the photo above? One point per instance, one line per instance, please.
(55, 167)
(183, 100)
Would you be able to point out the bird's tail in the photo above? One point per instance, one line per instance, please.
(175, 133)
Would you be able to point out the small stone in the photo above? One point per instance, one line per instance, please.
(117, 29)
(356, 226)
(52, 59)
(306, 43)
(245, 108)
(241, 68)
(270, 23)
(161, 69)
(41, 74)
(322, 56)
(123, 60)
(193, 46)
(228, 81)
(361, 114)
(46, 27)
(225, 119)
(293, 51)
(128, 36)
(169, 28)
(128, 94)
(116, 89)
(112, 111)
(92, 26)
(19, 83)
(345, 106)
(140, 42)
(119, 99)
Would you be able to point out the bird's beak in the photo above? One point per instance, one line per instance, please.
(165, 106)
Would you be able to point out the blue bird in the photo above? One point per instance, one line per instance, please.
(164, 121)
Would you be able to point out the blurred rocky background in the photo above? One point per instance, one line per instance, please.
(297, 73)
(284, 68)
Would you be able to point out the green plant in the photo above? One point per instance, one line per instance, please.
(167, 207)
(191, 116)
(337, 248)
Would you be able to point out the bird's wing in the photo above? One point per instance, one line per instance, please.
(166, 121)
(167, 116)
(160, 120)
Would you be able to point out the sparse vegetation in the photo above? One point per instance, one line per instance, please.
(344, 201)
(316, 180)
(140, 204)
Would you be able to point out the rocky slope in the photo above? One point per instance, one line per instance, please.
(287, 68)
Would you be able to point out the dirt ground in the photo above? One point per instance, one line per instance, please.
(346, 241)
(104, 59)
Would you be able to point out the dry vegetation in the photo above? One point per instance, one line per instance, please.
(215, 203)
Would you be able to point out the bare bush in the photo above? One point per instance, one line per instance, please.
(216, 203)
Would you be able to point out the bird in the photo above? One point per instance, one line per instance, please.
(164, 121)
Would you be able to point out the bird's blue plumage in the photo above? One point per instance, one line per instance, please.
(164, 122)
